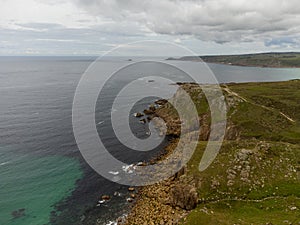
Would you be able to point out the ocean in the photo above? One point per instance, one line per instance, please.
(44, 179)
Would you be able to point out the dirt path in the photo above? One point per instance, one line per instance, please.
(227, 89)
(250, 200)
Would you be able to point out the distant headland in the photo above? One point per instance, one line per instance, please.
(271, 59)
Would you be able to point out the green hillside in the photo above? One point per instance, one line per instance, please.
(277, 60)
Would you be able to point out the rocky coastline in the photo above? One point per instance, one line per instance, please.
(169, 201)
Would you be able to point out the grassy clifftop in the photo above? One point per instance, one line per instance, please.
(276, 60)
(255, 178)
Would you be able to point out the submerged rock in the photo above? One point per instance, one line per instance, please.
(18, 213)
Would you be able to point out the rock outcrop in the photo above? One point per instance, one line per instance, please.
(184, 196)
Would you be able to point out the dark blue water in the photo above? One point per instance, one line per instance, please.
(241, 74)
(43, 176)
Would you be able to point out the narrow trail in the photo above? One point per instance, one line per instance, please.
(289, 118)
(250, 200)
(227, 89)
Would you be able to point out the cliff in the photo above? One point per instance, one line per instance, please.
(255, 178)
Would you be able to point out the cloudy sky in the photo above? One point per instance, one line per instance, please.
(92, 27)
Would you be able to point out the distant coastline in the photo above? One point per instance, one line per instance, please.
(271, 60)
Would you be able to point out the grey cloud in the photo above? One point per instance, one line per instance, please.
(272, 23)
(209, 20)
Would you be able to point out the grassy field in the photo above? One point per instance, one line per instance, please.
(261, 60)
(269, 195)
(256, 178)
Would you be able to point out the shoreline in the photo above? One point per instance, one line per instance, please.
(149, 198)
(260, 60)
(238, 65)
(255, 66)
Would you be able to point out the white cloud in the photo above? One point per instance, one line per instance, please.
(61, 12)
(177, 40)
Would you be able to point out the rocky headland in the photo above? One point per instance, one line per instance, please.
(255, 178)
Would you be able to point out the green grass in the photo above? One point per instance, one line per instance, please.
(255, 120)
(236, 212)
(273, 186)
(237, 204)
(261, 60)
(284, 96)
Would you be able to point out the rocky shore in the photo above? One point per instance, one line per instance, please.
(169, 201)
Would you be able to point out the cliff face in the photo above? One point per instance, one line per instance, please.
(265, 111)
(255, 178)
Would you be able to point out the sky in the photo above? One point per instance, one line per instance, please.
(93, 27)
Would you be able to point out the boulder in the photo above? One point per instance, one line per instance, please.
(131, 189)
(138, 114)
(152, 107)
(244, 154)
(132, 195)
(184, 196)
(143, 121)
(105, 197)
(215, 184)
(129, 199)
(149, 111)
(161, 101)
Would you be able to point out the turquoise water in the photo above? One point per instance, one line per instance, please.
(31, 186)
